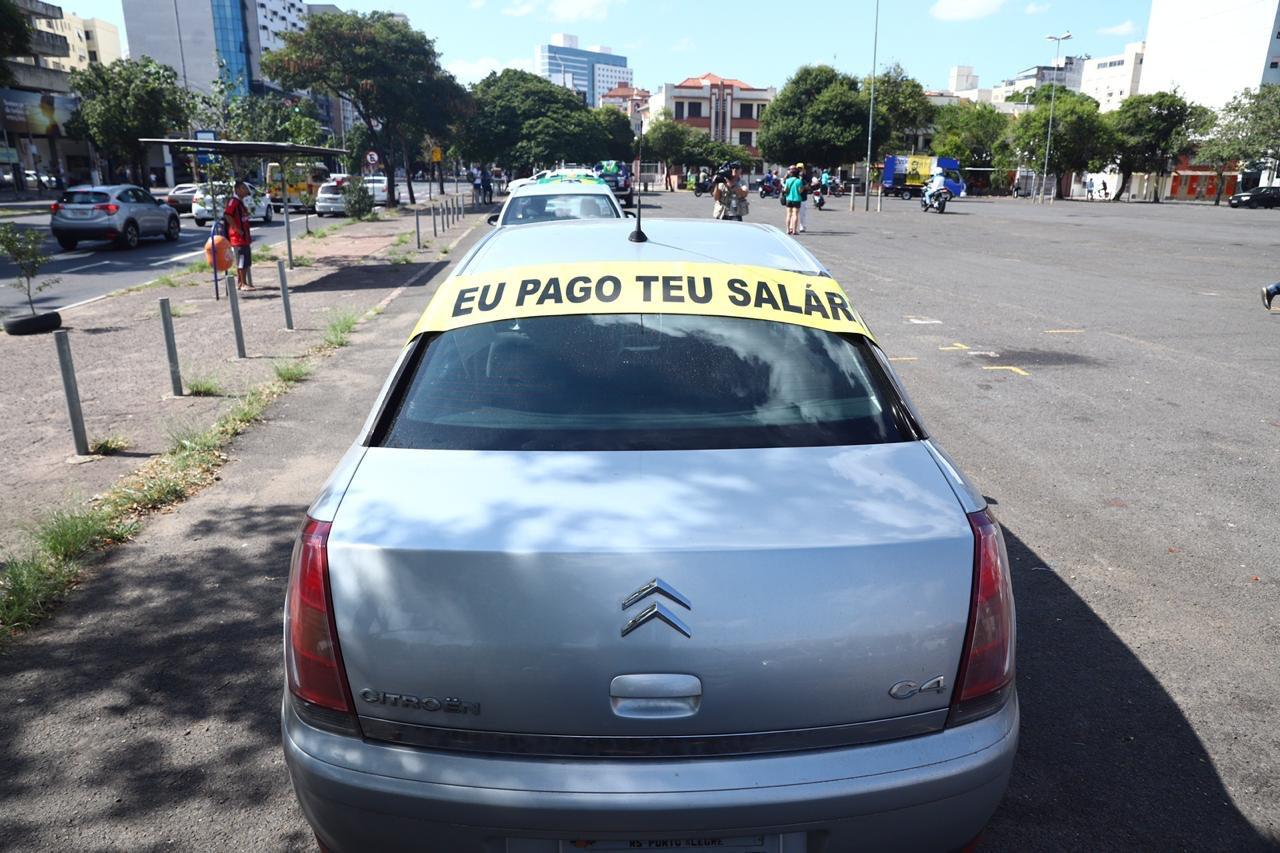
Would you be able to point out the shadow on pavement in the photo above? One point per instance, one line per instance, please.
(361, 276)
(1106, 759)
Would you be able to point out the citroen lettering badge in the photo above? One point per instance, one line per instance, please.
(656, 609)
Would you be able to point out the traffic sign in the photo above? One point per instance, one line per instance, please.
(436, 155)
(371, 158)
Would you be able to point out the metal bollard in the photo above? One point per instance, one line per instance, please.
(879, 198)
(417, 226)
(72, 391)
(284, 296)
(171, 346)
(434, 232)
(233, 298)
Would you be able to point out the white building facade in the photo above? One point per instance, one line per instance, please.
(1211, 51)
(1111, 79)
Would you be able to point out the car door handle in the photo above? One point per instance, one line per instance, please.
(655, 695)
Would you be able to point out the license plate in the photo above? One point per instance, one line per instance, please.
(78, 214)
(751, 844)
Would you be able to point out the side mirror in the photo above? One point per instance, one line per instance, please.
(492, 219)
(629, 213)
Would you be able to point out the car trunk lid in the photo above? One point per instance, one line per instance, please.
(786, 589)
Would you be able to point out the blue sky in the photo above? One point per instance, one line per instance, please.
(665, 43)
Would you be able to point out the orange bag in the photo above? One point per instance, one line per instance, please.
(217, 253)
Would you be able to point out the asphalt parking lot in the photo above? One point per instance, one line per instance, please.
(1105, 374)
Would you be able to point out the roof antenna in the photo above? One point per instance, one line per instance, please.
(638, 236)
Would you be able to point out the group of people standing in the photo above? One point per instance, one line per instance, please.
(729, 194)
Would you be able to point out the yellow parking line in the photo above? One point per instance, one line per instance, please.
(954, 346)
(903, 358)
(1064, 331)
(1010, 368)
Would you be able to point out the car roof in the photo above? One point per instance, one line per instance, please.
(102, 188)
(563, 187)
(589, 240)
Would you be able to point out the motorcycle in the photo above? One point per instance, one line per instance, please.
(702, 187)
(770, 191)
(936, 200)
(837, 188)
(819, 199)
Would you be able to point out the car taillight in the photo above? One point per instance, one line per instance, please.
(312, 658)
(110, 208)
(987, 665)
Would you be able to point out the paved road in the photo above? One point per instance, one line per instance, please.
(94, 269)
(1132, 454)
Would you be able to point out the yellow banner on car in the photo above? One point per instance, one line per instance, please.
(642, 287)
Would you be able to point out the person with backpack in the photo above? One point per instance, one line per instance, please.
(235, 220)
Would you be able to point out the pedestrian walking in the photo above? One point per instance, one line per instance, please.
(730, 195)
(792, 199)
(668, 180)
(235, 220)
(1269, 293)
(475, 185)
(486, 186)
(1088, 188)
(803, 174)
(1104, 190)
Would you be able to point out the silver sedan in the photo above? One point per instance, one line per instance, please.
(644, 547)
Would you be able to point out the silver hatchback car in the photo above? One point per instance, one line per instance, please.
(644, 547)
(121, 212)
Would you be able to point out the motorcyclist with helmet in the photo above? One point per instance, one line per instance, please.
(937, 182)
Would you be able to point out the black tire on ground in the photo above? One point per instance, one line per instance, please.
(174, 230)
(320, 215)
(942, 205)
(266, 217)
(128, 238)
(905, 194)
(33, 324)
(697, 193)
(67, 243)
(1252, 204)
(200, 223)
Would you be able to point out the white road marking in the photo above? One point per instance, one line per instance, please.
(171, 260)
(923, 321)
(87, 266)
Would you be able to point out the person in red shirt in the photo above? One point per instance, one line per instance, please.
(235, 218)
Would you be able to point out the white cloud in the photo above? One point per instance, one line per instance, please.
(477, 4)
(1122, 29)
(964, 10)
(580, 10)
(1037, 8)
(474, 70)
(520, 8)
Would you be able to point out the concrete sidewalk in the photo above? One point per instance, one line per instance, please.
(144, 714)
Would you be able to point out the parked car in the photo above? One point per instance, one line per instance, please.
(377, 187)
(555, 199)
(618, 176)
(1256, 197)
(516, 184)
(205, 208)
(121, 212)
(329, 198)
(179, 198)
(643, 546)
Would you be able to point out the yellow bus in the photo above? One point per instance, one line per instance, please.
(304, 178)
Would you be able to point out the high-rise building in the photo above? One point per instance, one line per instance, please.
(962, 79)
(1211, 51)
(1111, 79)
(1066, 72)
(90, 41)
(205, 38)
(590, 73)
(727, 109)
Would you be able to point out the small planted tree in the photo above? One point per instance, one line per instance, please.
(357, 199)
(23, 248)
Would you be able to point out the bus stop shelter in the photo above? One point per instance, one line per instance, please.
(280, 151)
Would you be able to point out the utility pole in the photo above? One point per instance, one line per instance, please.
(871, 114)
(1053, 96)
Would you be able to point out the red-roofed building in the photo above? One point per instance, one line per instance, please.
(726, 108)
(632, 101)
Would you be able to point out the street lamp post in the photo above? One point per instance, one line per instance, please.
(871, 113)
(1053, 96)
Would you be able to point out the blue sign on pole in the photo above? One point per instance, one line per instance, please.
(204, 158)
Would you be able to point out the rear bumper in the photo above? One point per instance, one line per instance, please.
(325, 206)
(87, 231)
(933, 792)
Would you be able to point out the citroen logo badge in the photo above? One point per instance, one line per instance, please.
(656, 610)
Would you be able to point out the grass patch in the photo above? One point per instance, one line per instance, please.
(203, 386)
(402, 239)
(338, 332)
(303, 261)
(397, 259)
(167, 281)
(290, 372)
(197, 267)
(108, 445)
(320, 233)
(34, 581)
(444, 250)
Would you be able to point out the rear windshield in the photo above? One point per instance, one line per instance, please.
(84, 197)
(642, 382)
(331, 190)
(548, 208)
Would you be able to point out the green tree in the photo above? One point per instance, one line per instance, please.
(1262, 122)
(620, 139)
(375, 60)
(1148, 133)
(907, 108)
(1080, 135)
(15, 38)
(667, 140)
(975, 134)
(819, 117)
(127, 100)
(24, 248)
(574, 137)
(501, 127)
